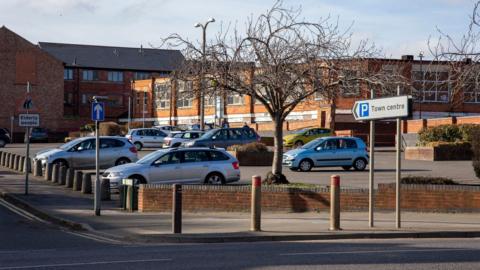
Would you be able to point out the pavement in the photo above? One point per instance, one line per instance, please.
(73, 210)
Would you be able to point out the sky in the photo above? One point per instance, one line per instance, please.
(398, 27)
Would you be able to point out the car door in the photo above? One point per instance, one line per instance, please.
(325, 153)
(110, 151)
(347, 151)
(235, 136)
(220, 139)
(83, 156)
(195, 166)
(167, 169)
(157, 138)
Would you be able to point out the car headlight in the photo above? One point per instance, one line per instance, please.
(115, 174)
(189, 144)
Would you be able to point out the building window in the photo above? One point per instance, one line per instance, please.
(115, 76)
(234, 99)
(350, 84)
(471, 91)
(162, 92)
(184, 94)
(431, 86)
(68, 99)
(90, 75)
(68, 74)
(210, 101)
(142, 76)
(115, 101)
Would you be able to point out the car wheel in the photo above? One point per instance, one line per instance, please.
(298, 144)
(122, 161)
(2, 143)
(346, 168)
(61, 163)
(215, 179)
(137, 180)
(305, 165)
(138, 145)
(359, 164)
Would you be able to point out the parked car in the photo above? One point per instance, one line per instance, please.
(167, 129)
(345, 152)
(176, 138)
(39, 134)
(303, 136)
(225, 137)
(80, 153)
(179, 165)
(4, 137)
(146, 137)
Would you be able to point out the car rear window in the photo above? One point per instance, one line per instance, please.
(111, 143)
(249, 133)
(218, 156)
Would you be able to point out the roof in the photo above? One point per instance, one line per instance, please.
(107, 57)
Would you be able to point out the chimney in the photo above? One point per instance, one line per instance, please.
(140, 51)
(407, 57)
(467, 60)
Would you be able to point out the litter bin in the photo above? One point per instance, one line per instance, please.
(128, 195)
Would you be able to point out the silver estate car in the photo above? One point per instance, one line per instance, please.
(146, 137)
(345, 152)
(179, 165)
(80, 153)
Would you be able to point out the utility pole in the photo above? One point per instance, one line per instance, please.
(371, 171)
(202, 73)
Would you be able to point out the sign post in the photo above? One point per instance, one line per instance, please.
(98, 114)
(371, 171)
(27, 120)
(384, 108)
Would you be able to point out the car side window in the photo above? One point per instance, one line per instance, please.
(85, 145)
(330, 145)
(217, 156)
(140, 133)
(351, 144)
(234, 134)
(194, 135)
(249, 133)
(195, 156)
(222, 134)
(187, 135)
(170, 158)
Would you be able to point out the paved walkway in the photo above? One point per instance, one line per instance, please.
(62, 205)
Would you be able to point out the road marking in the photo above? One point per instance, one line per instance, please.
(83, 264)
(19, 211)
(27, 251)
(97, 238)
(376, 251)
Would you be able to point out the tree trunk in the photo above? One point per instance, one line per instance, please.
(278, 146)
(333, 112)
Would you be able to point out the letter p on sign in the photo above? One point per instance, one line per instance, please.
(363, 109)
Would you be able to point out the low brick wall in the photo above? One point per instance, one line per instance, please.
(237, 198)
(439, 153)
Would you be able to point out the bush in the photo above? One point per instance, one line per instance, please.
(274, 179)
(475, 136)
(67, 139)
(427, 180)
(443, 133)
(109, 129)
(249, 147)
(88, 128)
(467, 131)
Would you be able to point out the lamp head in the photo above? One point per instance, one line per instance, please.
(197, 25)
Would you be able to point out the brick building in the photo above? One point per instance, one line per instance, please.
(64, 77)
(22, 62)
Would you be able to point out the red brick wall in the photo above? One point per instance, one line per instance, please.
(468, 120)
(237, 198)
(440, 121)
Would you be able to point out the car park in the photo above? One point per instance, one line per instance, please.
(345, 152)
(4, 137)
(176, 138)
(303, 136)
(146, 137)
(179, 165)
(80, 153)
(225, 137)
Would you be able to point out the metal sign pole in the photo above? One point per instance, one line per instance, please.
(27, 161)
(97, 178)
(398, 170)
(371, 175)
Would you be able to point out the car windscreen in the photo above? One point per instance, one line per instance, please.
(69, 145)
(300, 131)
(312, 144)
(150, 158)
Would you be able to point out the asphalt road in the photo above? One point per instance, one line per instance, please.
(28, 244)
(461, 171)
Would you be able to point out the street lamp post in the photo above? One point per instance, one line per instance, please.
(202, 84)
(420, 55)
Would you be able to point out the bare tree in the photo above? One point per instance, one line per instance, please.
(282, 60)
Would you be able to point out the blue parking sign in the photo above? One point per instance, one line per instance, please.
(363, 108)
(98, 111)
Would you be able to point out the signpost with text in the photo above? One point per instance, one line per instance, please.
(384, 108)
(98, 114)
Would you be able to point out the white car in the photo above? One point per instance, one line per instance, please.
(146, 137)
(167, 129)
(176, 138)
(178, 165)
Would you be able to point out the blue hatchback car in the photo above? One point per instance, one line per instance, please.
(345, 152)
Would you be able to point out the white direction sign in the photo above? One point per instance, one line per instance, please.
(381, 108)
(29, 120)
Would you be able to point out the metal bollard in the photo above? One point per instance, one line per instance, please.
(21, 164)
(69, 180)
(87, 183)
(105, 190)
(177, 208)
(256, 204)
(62, 175)
(16, 164)
(335, 203)
(77, 181)
(12, 161)
(7, 160)
(37, 168)
(55, 172)
(28, 165)
(48, 171)
(2, 157)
